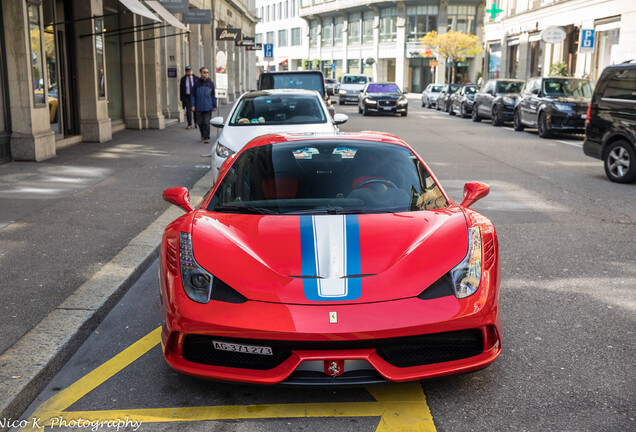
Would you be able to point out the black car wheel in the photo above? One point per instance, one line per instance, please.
(516, 122)
(365, 112)
(462, 111)
(340, 101)
(620, 162)
(423, 104)
(497, 116)
(544, 130)
(359, 109)
(405, 113)
(475, 116)
(450, 109)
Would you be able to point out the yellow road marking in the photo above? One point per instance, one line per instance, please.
(401, 407)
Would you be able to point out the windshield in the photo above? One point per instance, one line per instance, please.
(299, 81)
(555, 87)
(278, 109)
(509, 87)
(470, 90)
(326, 177)
(383, 88)
(354, 79)
(437, 88)
(455, 87)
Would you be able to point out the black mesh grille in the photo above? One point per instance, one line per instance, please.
(225, 293)
(435, 348)
(400, 352)
(442, 287)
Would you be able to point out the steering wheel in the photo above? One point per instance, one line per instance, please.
(385, 182)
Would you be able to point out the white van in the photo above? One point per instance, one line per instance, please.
(350, 87)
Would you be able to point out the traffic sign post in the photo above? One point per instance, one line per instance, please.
(587, 41)
(268, 51)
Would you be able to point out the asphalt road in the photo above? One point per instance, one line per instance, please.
(567, 239)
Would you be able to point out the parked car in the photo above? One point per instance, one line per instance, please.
(261, 112)
(496, 100)
(553, 104)
(461, 102)
(430, 95)
(329, 261)
(297, 80)
(332, 86)
(443, 100)
(350, 87)
(383, 98)
(610, 125)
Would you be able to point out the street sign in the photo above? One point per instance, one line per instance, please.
(269, 51)
(587, 41)
(221, 61)
(197, 16)
(221, 85)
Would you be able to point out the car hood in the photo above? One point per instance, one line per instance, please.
(352, 86)
(235, 137)
(385, 96)
(330, 258)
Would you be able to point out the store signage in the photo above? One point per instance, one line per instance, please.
(197, 16)
(176, 6)
(245, 42)
(553, 35)
(221, 61)
(226, 34)
(172, 72)
(256, 47)
(433, 63)
(587, 41)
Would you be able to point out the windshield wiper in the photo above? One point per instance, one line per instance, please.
(248, 209)
(340, 211)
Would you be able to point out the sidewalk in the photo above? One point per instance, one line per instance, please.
(75, 233)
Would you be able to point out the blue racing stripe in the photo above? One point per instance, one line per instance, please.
(353, 258)
(308, 257)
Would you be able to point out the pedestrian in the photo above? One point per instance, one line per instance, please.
(204, 102)
(185, 90)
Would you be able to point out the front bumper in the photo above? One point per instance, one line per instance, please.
(349, 97)
(390, 108)
(562, 122)
(448, 336)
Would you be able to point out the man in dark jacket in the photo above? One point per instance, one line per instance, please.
(204, 102)
(185, 90)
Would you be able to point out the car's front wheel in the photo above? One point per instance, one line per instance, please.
(516, 121)
(620, 162)
(462, 111)
(475, 116)
(405, 113)
(365, 112)
(543, 128)
(450, 110)
(340, 101)
(497, 116)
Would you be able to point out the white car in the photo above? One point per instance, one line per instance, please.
(259, 113)
(351, 86)
(430, 95)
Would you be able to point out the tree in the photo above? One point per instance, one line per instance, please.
(451, 46)
(558, 69)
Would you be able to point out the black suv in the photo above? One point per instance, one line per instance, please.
(496, 100)
(610, 126)
(553, 104)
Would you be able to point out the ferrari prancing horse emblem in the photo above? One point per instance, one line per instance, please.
(333, 317)
(334, 367)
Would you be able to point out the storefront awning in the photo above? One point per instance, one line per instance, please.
(166, 15)
(137, 8)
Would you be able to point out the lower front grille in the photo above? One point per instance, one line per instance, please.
(399, 352)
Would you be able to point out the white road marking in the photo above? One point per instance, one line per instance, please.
(570, 143)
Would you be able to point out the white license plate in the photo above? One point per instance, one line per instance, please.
(584, 116)
(247, 349)
(387, 108)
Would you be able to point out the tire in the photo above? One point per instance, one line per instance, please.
(497, 116)
(475, 117)
(404, 113)
(340, 101)
(462, 111)
(542, 126)
(450, 110)
(516, 122)
(428, 104)
(359, 110)
(620, 162)
(365, 112)
(423, 104)
(447, 106)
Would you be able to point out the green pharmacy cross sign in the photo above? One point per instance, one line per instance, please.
(494, 11)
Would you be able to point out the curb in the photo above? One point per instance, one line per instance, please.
(28, 365)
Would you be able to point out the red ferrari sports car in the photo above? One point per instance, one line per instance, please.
(329, 260)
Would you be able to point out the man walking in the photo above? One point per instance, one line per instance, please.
(204, 102)
(185, 90)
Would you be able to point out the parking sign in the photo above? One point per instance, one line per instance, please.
(269, 51)
(587, 41)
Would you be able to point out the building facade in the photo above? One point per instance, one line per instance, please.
(76, 71)
(517, 48)
(382, 38)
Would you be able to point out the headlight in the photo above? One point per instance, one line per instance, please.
(223, 151)
(370, 101)
(403, 102)
(509, 101)
(342, 92)
(467, 274)
(197, 283)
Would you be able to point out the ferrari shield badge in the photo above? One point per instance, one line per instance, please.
(333, 317)
(334, 367)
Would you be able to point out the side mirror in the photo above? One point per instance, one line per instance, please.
(339, 119)
(217, 122)
(180, 197)
(535, 91)
(473, 192)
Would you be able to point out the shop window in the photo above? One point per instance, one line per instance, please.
(327, 35)
(338, 28)
(419, 21)
(388, 24)
(313, 34)
(461, 18)
(99, 58)
(37, 69)
(353, 29)
(367, 27)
